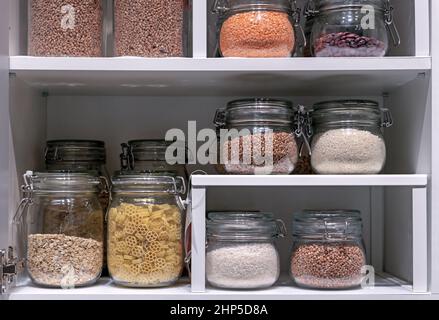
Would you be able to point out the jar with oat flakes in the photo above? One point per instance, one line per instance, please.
(62, 222)
(72, 28)
(257, 28)
(258, 136)
(145, 247)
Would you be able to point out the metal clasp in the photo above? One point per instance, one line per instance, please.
(303, 123)
(220, 6)
(220, 118)
(387, 118)
(310, 9)
(390, 24)
(296, 12)
(125, 157)
(281, 229)
(26, 197)
(10, 267)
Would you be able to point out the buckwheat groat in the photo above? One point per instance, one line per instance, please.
(66, 28)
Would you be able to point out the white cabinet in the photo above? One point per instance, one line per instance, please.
(118, 99)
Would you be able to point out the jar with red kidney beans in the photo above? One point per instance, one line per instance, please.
(351, 28)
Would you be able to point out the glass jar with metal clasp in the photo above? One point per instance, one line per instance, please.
(328, 251)
(145, 229)
(241, 250)
(257, 28)
(348, 137)
(351, 28)
(61, 223)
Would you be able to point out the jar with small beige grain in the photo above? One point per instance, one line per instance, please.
(257, 28)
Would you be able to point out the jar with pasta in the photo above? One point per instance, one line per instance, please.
(145, 247)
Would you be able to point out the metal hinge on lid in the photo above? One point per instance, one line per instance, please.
(10, 267)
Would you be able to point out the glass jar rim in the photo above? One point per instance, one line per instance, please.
(328, 224)
(335, 5)
(256, 111)
(61, 181)
(243, 225)
(252, 5)
(75, 151)
(154, 149)
(362, 112)
(147, 182)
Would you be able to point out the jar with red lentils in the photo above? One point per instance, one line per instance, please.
(257, 28)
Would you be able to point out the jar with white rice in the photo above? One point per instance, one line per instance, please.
(348, 137)
(241, 253)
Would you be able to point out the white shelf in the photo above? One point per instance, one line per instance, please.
(210, 76)
(415, 180)
(385, 289)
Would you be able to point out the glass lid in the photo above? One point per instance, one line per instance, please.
(347, 111)
(136, 181)
(75, 151)
(244, 225)
(244, 5)
(256, 110)
(327, 224)
(339, 4)
(61, 181)
(155, 150)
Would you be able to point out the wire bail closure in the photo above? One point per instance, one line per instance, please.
(336, 236)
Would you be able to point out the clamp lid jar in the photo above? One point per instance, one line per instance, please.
(258, 136)
(155, 156)
(241, 251)
(62, 222)
(328, 251)
(348, 137)
(257, 28)
(145, 246)
(351, 28)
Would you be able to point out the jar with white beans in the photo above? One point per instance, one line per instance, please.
(348, 137)
(241, 252)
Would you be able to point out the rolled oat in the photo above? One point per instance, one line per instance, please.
(57, 260)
